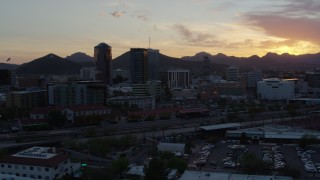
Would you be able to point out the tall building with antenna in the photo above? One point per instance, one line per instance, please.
(153, 64)
(102, 59)
(138, 65)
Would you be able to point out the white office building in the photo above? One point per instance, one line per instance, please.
(275, 89)
(38, 163)
(178, 78)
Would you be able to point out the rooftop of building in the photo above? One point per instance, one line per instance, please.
(201, 175)
(80, 108)
(220, 126)
(28, 91)
(136, 170)
(101, 45)
(275, 131)
(130, 97)
(36, 156)
(174, 146)
(44, 110)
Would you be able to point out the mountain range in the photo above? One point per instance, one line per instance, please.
(53, 64)
(270, 61)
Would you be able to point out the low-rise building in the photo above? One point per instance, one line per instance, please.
(38, 163)
(175, 148)
(42, 112)
(143, 102)
(75, 112)
(149, 88)
(202, 175)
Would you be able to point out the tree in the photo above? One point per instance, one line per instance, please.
(155, 170)
(177, 163)
(307, 140)
(243, 138)
(167, 93)
(253, 165)
(188, 146)
(118, 166)
(57, 119)
(232, 116)
(290, 171)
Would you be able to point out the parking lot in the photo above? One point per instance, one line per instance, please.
(223, 157)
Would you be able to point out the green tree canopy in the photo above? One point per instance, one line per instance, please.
(155, 171)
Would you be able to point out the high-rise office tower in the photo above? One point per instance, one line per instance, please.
(153, 64)
(102, 59)
(138, 65)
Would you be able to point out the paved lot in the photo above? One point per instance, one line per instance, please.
(221, 149)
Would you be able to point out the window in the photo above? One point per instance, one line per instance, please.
(39, 177)
(46, 169)
(17, 174)
(31, 168)
(9, 166)
(17, 166)
(2, 165)
(47, 177)
(32, 176)
(39, 168)
(24, 175)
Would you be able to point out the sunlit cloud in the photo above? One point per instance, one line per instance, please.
(143, 17)
(292, 21)
(117, 13)
(195, 38)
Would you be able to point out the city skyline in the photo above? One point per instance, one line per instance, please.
(178, 28)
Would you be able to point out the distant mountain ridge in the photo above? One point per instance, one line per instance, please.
(166, 62)
(270, 60)
(53, 64)
(8, 66)
(49, 64)
(79, 57)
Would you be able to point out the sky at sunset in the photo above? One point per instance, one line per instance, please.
(33, 28)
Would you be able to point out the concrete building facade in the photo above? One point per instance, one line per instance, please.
(76, 93)
(23, 99)
(275, 89)
(232, 73)
(88, 73)
(143, 102)
(178, 78)
(38, 163)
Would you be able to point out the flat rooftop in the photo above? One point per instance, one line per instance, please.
(36, 152)
(220, 126)
(136, 170)
(275, 131)
(201, 175)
